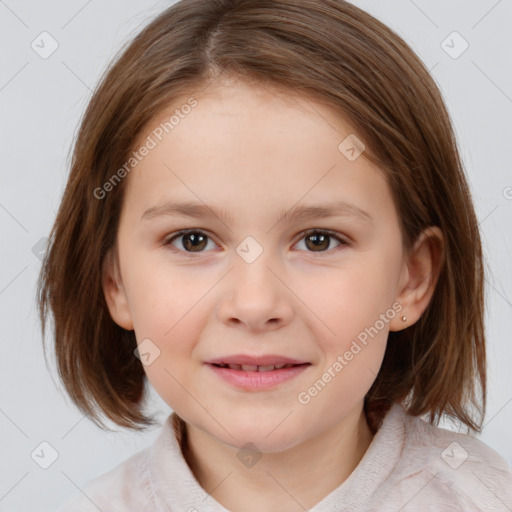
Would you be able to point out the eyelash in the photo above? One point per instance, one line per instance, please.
(168, 241)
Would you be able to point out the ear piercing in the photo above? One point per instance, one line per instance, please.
(404, 319)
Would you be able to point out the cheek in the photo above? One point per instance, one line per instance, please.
(168, 308)
(174, 328)
(160, 294)
(344, 301)
(164, 311)
(343, 383)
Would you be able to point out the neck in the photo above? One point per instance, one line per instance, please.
(279, 481)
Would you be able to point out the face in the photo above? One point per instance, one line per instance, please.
(316, 290)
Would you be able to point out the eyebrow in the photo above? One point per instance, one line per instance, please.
(296, 213)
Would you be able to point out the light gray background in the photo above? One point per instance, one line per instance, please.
(41, 101)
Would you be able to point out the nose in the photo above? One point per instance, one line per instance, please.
(255, 296)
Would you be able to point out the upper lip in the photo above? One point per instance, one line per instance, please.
(266, 360)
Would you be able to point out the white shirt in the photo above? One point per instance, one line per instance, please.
(410, 466)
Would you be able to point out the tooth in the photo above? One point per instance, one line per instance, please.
(279, 366)
(235, 366)
(266, 368)
(249, 367)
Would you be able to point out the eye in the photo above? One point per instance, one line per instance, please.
(192, 241)
(319, 240)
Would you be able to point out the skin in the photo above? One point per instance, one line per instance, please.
(255, 152)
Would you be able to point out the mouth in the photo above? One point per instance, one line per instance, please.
(257, 373)
(246, 360)
(257, 368)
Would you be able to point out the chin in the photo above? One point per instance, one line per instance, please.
(264, 436)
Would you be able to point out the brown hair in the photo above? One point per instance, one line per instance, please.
(324, 49)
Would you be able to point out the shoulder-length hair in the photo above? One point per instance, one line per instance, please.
(328, 50)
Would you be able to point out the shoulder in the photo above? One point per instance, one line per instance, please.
(125, 488)
(453, 468)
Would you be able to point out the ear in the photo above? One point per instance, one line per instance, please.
(419, 276)
(114, 292)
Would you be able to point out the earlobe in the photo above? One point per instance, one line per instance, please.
(420, 276)
(114, 292)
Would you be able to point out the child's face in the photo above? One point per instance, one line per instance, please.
(251, 154)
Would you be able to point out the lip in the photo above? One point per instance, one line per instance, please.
(246, 359)
(257, 380)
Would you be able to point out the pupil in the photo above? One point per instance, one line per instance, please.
(195, 241)
(318, 243)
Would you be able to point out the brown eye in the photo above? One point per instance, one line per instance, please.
(192, 241)
(320, 241)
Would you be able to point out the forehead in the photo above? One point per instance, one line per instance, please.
(242, 143)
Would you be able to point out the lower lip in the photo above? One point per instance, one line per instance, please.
(256, 381)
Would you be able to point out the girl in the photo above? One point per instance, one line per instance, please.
(267, 220)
